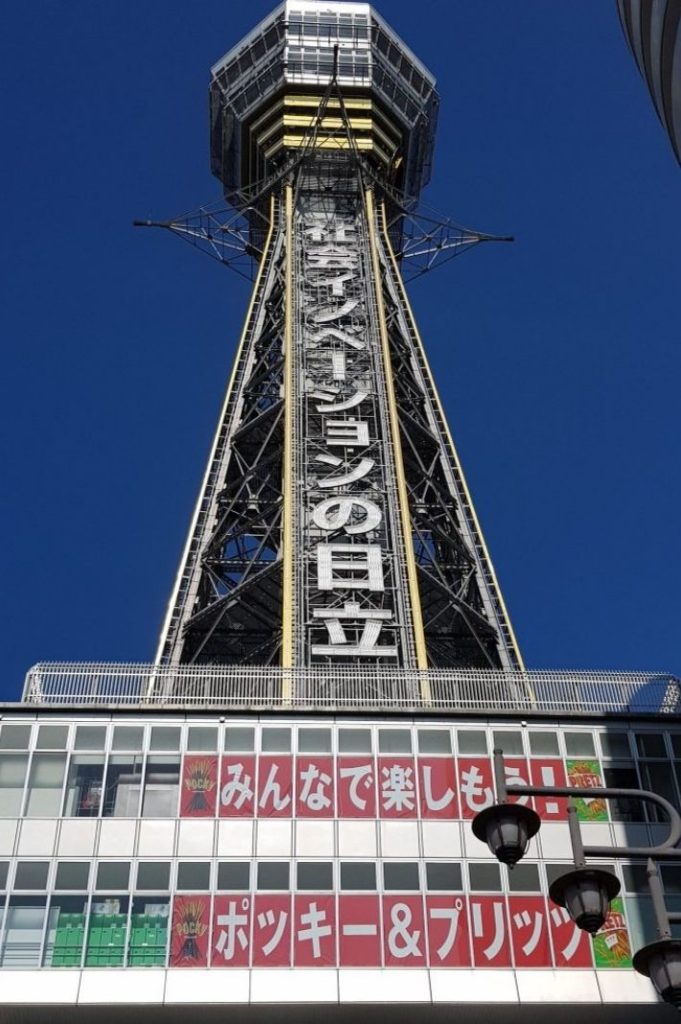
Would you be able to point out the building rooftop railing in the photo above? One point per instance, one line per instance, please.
(349, 689)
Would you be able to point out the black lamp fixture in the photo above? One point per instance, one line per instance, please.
(586, 894)
(507, 830)
(661, 962)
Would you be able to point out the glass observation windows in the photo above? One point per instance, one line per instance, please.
(161, 787)
(84, 786)
(108, 926)
(45, 783)
(13, 769)
(22, 938)
(65, 935)
(123, 786)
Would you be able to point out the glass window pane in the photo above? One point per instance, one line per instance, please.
(128, 737)
(635, 878)
(354, 741)
(434, 741)
(153, 875)
(202, 738)
(656, 775)
(443, 877)
(193, 875)
(357, 875)
(471, 741)
(52, 737)
(623, 776)
(65, 931)
(273, 875)
(13, 768)
(234, 875)
(485, 877)
(615, 744)
(676, 743)
(45, 785)
(579, 744)
(4, 867)
(394, 741)
(671, 877)
(72, 874)
(31, 874)
(543, 742)
(161, 787)
(510, 742)
(123, 786)
(90, 737)
(314, 741)
(113, 874)
(23, 932)
(165, 737)
(524, 878)
(400, 876)
(650, 744)
(107, 932)
(239, 740)
(84, 786)
(315, 875)
(148, 931)
(276, 741)
(15, 737)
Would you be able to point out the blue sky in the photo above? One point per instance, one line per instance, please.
(558, 357)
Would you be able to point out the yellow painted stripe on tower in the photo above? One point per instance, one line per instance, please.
(287, 482)
(414, 594)
(438, 402)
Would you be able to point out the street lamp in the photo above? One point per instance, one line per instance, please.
(586, 892)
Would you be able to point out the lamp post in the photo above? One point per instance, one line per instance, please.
(586, 892)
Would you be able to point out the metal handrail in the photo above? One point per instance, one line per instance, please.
(348, 688)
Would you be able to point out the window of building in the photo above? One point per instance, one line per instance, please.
(113, 875)
(315, 875)
(276, 741)
(148, 941)
(84, 786)
(72, 874)
(161, 786)
(128, 737)
(238, 740)
(4, 867)
(234, 875)
(107, 931)
(273, 875)
(52, 737)
(443, 876)
(90, 737)
(354, 741)
(358, 875)
(202, 739)
(544, 743)
(471, 741)
(657, 776)
(45, 783)
(623, 775)
(400, 876)
(579, 744)
(153, 875)
(31, 874)
(23, 934)
(394, 741)
(193, 876)
(165, 737)
(675, 739)
(635, 878)
(15, 737)
(13, 768)
(511, 742)
(523, 878)
(123, 786)
(484, 877)
(65, 934)
(434, 741)
(651, 744)
(615, 744)
(314, 741)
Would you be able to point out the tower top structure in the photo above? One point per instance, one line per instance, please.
(266, 95)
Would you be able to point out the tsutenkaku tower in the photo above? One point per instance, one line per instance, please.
(333, 526)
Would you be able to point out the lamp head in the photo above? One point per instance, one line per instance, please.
(507, 830)
(661, 962)
(586, 894)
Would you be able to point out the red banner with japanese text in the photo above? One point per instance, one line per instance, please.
(199, 786)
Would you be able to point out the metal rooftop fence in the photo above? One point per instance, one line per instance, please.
(349, 689)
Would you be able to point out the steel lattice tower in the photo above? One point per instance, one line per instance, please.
(334, 525)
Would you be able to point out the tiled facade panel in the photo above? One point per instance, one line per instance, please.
(253, 844)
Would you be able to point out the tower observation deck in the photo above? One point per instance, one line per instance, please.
(333, 526)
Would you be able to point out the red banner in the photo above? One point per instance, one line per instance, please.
(237, 786)
(356, 787)
(397, 787)
(437, 787)
(476, 786)
(530, 931)
(199, 786)
(571, 946)
(189, 932)
(448, 938)
(231, 943)
(404, 940)
(549, 772)
(315, 797)
(272, 931)
(275, 787)
(489, 928)
(314, 942)
(359, 931)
